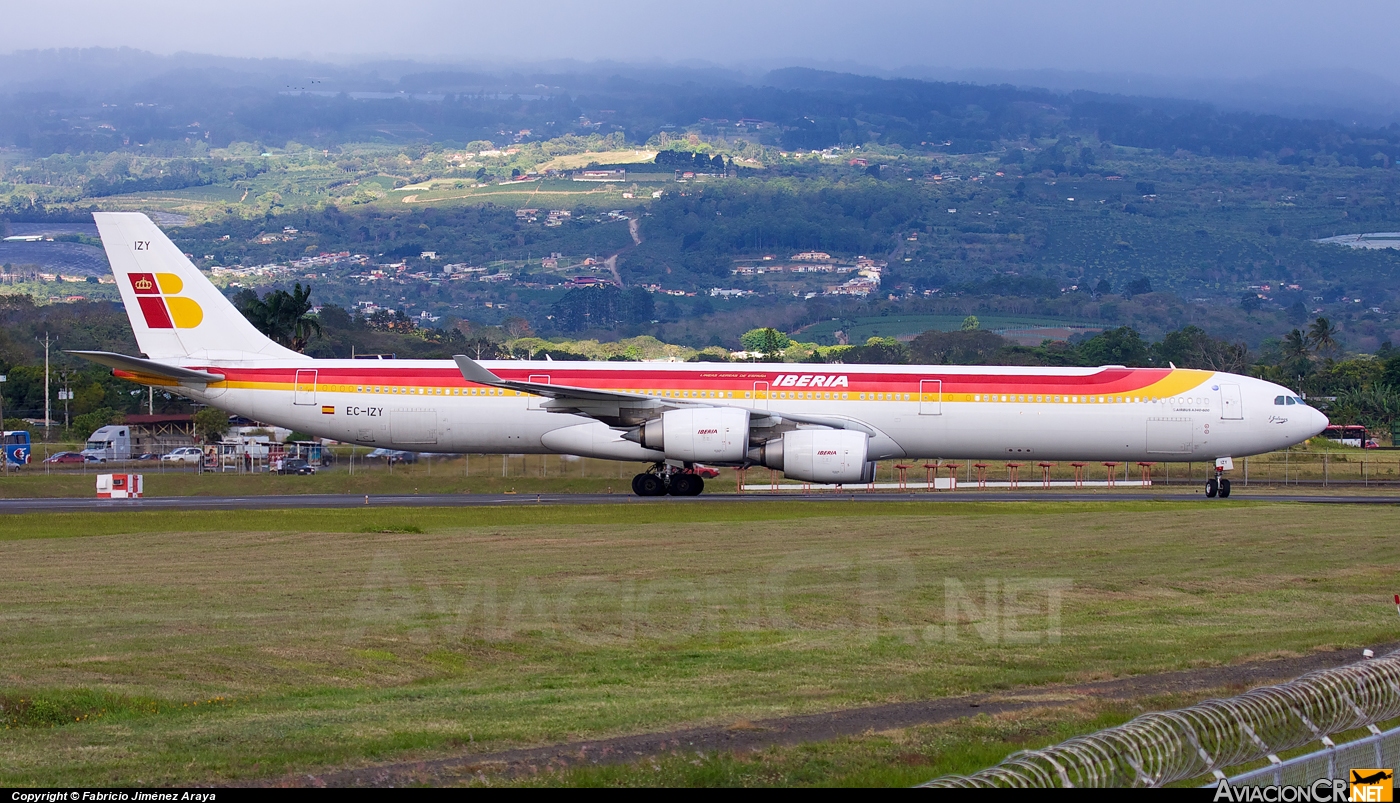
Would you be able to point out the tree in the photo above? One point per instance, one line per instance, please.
(1121, 346)
(1391, 374)
(211, 424)
(1322, 336)
(602, 307)
(971, 324)
(284, 317)
(968, 347)
(1138, 286)
(1192, 347)
(87, 423)
(1297, 313)
(769, 342)
(517, 326)
(878, 351)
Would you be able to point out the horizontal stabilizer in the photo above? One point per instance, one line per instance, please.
(139, 365)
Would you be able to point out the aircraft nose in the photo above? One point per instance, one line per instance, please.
(1317, 421)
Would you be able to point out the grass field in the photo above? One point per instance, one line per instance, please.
(575, 161)
(202, 647)
(1342, 468)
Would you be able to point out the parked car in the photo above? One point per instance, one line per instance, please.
(295, 465)
(185, 454)
(393, 456)
(147, 456)
(66, 457)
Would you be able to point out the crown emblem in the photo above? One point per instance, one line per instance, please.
(143, 284)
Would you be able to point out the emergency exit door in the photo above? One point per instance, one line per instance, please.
(930, 397)
(305, 390)
(760, 395)
(1230, 404)
(535, 401)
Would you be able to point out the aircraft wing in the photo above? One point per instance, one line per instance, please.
(150, 369)
(473, 371)
(616, 408)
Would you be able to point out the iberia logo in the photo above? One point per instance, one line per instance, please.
(161, 304)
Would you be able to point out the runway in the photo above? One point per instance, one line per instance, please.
(330, 501)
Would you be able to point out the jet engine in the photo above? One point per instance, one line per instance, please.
(828, 456)
(706, 434)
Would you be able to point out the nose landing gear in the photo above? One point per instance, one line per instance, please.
(1218, 485)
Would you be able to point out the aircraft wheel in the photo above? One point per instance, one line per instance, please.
(686, 485)
(1212, 488)
(650, 485)
(637, 485)
(1224, 489)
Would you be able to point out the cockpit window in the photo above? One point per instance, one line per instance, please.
(1291, 400)
(1279, 400)
(1300, 401)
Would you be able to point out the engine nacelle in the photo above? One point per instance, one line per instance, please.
(707, 434)
(827, 456)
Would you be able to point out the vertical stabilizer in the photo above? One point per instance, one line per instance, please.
(174, 310)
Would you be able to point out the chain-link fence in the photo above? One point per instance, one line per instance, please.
(1160, 748)
(1332, 761)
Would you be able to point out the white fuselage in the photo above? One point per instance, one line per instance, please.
(1109, 413)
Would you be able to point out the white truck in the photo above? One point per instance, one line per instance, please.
(109, 443)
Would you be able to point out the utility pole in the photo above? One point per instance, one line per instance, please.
(150, 399)
(4, 455)
(47, 408)
(64, 395)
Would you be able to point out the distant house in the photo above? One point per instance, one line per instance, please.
(811, 256)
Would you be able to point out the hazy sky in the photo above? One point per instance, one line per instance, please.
(1227, 39)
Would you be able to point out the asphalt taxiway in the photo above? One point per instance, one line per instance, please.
(329, 501)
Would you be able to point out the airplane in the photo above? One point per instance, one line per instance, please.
(825, 424)
(1357, 779)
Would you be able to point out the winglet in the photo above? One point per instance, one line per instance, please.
(472, 371)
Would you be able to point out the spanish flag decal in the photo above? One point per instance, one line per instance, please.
(328, 409)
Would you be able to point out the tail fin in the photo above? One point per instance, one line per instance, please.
(175, 311)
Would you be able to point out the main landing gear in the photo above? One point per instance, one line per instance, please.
(662, 479)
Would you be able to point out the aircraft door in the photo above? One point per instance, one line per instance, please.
(1230, 405)
(760, 395)
(538, 379)
(930, 397)
(305, 391)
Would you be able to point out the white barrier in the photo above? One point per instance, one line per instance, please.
(120, 486)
